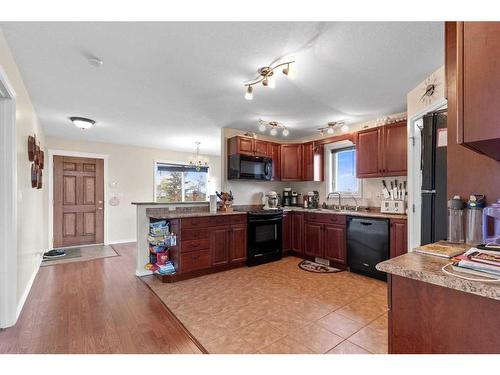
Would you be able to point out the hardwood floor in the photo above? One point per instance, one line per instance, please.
(97, 306)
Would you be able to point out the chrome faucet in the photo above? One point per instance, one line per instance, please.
(339, 207)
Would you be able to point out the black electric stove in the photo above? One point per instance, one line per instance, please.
(265, 242)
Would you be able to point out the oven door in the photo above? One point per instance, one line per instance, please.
(264, 240)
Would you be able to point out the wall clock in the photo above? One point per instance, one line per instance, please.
(430, 86)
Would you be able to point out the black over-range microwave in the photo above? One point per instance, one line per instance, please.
(246, 167)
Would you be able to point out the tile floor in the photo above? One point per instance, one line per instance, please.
(278, 308)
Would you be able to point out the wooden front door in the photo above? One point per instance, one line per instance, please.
(78, 201)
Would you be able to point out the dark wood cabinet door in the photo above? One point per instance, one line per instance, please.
(245, 146)
(319, 162)
(238, 243)
(308, 161)
(313, 243)
(478, 86)
(399, 243)
(368, 153)
(261, 148)
(219, 245)
(334, 242)
(395, 150)
(298, 232)
(287, 231)
(276, 156)
(291, 162)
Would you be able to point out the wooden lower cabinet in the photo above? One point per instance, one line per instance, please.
(219, 245)
(287, 231)
(335, 243)
(399, 242)
(313, 245)
(238, 243)
(298, 232)
(325, 241)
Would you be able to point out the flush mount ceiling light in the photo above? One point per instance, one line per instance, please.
(95, 61)
(331, 126)
(197, 161)
(82, 122)
(268, 78)
(275, 126)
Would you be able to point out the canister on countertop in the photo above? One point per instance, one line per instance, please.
(474, 219)
(456, 220)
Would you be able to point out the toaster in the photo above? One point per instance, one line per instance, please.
(389, 206)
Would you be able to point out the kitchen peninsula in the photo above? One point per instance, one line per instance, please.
(432, 312)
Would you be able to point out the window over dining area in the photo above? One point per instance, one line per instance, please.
(180, 183)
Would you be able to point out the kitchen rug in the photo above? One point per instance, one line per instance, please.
(309, 266)
(82, 254)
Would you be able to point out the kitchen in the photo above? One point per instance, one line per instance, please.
(293, 203)
(340, 235)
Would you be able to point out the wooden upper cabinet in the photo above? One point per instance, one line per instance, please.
(262, 148)
(276, 156)
(248, 146)
(395, 150)
(312, 162)
(368, 157)
(382, 151)
(307, 161)
(291, 162)
(399, 242)
(478, 85)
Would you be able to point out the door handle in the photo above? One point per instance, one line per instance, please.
(99, 208)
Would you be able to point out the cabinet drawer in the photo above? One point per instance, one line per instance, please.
(326, 218)
(194, 234)
(227, 220)
(194, 245)
(195, 260)
(195, 222)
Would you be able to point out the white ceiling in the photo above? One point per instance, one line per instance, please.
(167, 85)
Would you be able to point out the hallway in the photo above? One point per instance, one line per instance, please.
(97, 306)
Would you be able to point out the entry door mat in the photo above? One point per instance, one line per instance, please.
(309, 266)
(82, 254)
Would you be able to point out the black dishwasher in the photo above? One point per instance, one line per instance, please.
(367, 245)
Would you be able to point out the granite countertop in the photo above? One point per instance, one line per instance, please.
(181, 214)
(427, 268)
(372, 212)
(170, 204)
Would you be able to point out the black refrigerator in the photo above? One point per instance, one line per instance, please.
(434, 205)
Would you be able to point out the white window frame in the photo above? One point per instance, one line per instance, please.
(155, 165)
(330, 171)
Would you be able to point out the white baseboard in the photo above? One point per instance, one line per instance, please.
(143, 273)
(122, 241)
(26, 292)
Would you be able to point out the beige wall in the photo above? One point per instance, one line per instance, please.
(31, 206)
(415, 104)
(131, 168)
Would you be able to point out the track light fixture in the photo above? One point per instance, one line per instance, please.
(268, 78)
(275, 126)
(330, 128)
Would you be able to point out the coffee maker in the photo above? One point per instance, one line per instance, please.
(287, 195)
(313, 199)
(294, 199)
